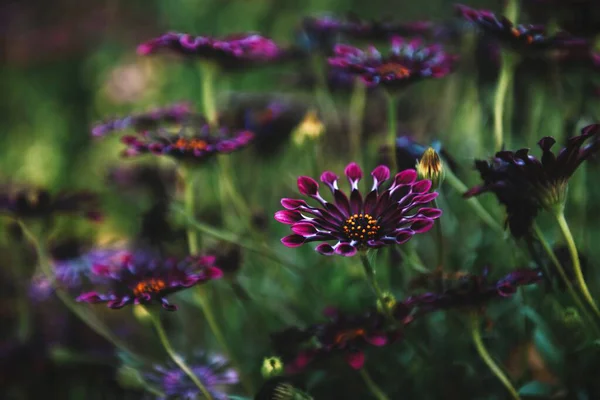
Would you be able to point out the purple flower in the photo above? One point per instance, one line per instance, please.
(174, 114)
(230, 52)
(525, 39)
(408, 61)
(579, 17)
(356, 223)
(211, 369)
(141, 278)
(32, 202)
(524, 184)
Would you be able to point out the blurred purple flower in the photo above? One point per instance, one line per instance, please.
(579, 17)
(390, 217)
(142, 278)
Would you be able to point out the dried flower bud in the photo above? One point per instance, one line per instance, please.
(430, 167)
(311, 128)
(272, 366)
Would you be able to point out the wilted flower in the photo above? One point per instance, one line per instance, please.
(526, 39)
(524, 184)
(390, 217)
(174, 114)
(211, 369)
(231, 52)
(142, 278)
(32, 202)
(408, 61)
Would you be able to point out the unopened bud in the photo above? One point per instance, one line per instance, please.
(387, 302)
(272, 366)
(571, 317)
(311, 128)
(430, 167)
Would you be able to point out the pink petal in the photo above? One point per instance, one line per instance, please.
(288, 217)
(325, 249)
(307, 186)
(293, 204)
(405, 177)
(356, 359)
(304, 229)
(293, 241)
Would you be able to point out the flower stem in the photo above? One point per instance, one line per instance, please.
(190, 207)
(392, 104)
(566, 232)
(487, 358)
(209, 72)
(370, 275)
(506, 72)
(461, 188)
(174, 356)
(375, 390)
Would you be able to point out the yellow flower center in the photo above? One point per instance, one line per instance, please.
(190, 144)
(152, 285)
(395, 69)
(345, 336)
(361, 227)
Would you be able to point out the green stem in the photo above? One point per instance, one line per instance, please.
(392, 104)
(370, 275)
(209, 72)
(176, 357)
(373, 388)
(190, 207)
(512, 10)
(563, 275)
(487, 358)
(357, 110)
(506, 71)
(566, 232)
(461, 188)
(322, 94)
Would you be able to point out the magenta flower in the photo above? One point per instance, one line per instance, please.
(356, 223)
(408, 61)
(142, 278)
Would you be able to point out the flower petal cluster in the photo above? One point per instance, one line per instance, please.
(358, 222)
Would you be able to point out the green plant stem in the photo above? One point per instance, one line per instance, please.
(208, 75)
(392, 104)
(95, 324)
(563, 275)
(357, 110)
(322, 93)
(439, 238)
(481, 212)
(511, 11)
(373, 388)
(506, 72)
(566, 232)
(189, 181)
(174, 356)
(487, 358)
(370, 275)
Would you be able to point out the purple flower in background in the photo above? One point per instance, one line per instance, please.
(142, 278)
(383, 29)
(211, 369)
(407, 62)
(524, 184)
(579, 17)
(32, 202)
(526, 39)
(230, 52)
(356, 223)
(174, 114)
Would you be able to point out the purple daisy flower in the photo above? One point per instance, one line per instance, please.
(408, 61)
(211, 369)
(524, 184)
(230, 52)
(356, 223)
(174, 114)
(525, 39)
(385, 28)
(32, 202)
(141, 278)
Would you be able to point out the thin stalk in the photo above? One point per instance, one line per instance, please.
(190, 208)
(357, 111)
(322, 94)
(370, 275)
(176, 357)
(487, 358)
(373, 388)
(392, 104)
(566, 232)
(209, 72)
(481, 212)
(506, 73)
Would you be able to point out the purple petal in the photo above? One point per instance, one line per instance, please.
(304, 229)
(355, 359)
(432, 213)
(405, 177)
(118, 303)
(345, 249)
(422, 226)
(293, 240)
(424, 198)
(90, 297)
(377, 340)
(421, 186)
(308, 186)
(167, 306)
(325, 249)
(403, 236)
(293, 204)
(330, 179)
(380, 174)
(354, 173)
(288, 217)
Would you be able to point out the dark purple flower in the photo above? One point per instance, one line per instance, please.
(579, 17)
(525, 39)
(524, 184)
(196, 143)
(32, 202)
(142, 278)
(211, 369)
(356, 223)
(230, 52)
(174, 114)
(408, 61)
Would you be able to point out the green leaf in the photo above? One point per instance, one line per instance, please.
(536, 388)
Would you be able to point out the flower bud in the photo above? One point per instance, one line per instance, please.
(311, 128)
(272, 366)
(387, 302)
(430, 167)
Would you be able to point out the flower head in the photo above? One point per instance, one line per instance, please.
(233, 51)
(142, 278)
(211, 369)
(392, 216)
(524, 184)
(430, 167)
(408, 61)
(521, 38)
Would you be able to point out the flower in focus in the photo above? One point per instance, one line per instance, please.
(524, 184)
(430, 167)
(142, 278)
(525, 39)
(408, 61)
(579, 17)
(211, 369)
(310, 128)
(174, 114)
(230, 52)
(30, 202)
(356, 223)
